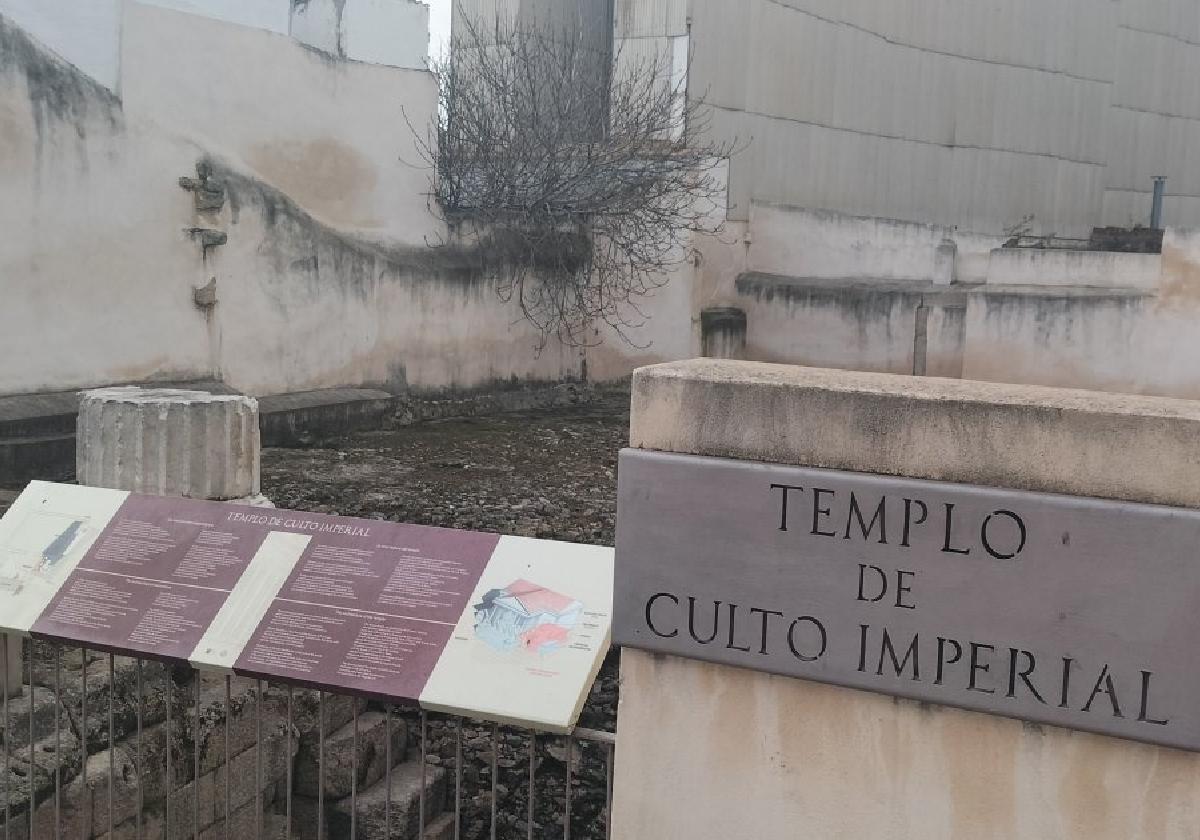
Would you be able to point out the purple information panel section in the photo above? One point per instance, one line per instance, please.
(509, 629)
(369, 614)
(154, 578)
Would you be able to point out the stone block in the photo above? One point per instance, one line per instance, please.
(340, 762)
(169, 442)
(828, 761)
(406, 787)
(1055, 440)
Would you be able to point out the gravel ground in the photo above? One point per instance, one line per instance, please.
(548, 474)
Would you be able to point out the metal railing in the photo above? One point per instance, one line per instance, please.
(174, 782)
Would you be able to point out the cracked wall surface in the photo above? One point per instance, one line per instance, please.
(966, 114)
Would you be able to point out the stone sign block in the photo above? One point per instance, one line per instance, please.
(1063, 610)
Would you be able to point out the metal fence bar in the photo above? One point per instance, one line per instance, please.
(458, 779)
(112, 741)
(196, 760)
(83, 723)
(421, 795)
(321, 765)
(532, 780)
(288, 798)
(7, 758)
(258, 782)
(169, 694)
(608, 789)
(58, 652)
(228, 756)
(494, 773)
(32, 761)
(141, 772)
(387, 774)
(175, 826)
(354, 778)
(567, 795)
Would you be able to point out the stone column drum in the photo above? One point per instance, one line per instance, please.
(169, 442)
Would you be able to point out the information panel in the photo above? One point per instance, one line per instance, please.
(501, 628)
(1063, 610)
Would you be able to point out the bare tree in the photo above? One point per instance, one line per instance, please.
(580, 168)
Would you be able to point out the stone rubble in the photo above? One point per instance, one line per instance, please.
(549, 474)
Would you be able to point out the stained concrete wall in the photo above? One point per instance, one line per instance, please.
(1134, 340)
(967, 114)
(326, 277)
(711, 751)
(860, 293)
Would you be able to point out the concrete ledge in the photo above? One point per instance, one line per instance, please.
(1062, 267)
(1143, 449)
(298, 418)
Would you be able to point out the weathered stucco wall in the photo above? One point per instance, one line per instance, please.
(1130, 339)
(834, 290)
(710, 751)
(325, 278)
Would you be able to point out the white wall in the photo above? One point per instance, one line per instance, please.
(1055, 267)
(326, 278)
(334, 137)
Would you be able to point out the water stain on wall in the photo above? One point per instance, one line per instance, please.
(331, 179)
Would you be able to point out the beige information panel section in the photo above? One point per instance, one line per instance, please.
(239, 616)
(532, 638)
(43, 536)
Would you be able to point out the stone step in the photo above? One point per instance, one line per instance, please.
(441, 828)
(339, 761)
(48, 457)
(37, 432)
(302, 417)
(405, 807)
(35, 415)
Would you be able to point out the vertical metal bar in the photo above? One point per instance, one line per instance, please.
(354, 779)
(608, 791)
(570, 777)
(141, 800)
(387, 782)
(112, 741)
(7, 742)
(289, 764)
(228, 757)
(83, 719)
(421, 798)
(458, 779)
(321, 765)
(58, 652)
(196, 760)
(495, 773)
(170, 699)
(32, 775)
(532, 776)
(258, 783)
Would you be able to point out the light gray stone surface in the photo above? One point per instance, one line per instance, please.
(169, 442)
(1057, 440)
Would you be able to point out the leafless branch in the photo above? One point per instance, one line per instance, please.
(581, 170)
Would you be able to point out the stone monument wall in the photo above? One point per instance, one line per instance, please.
(714, 751)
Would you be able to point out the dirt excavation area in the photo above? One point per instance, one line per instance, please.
(549, 474)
